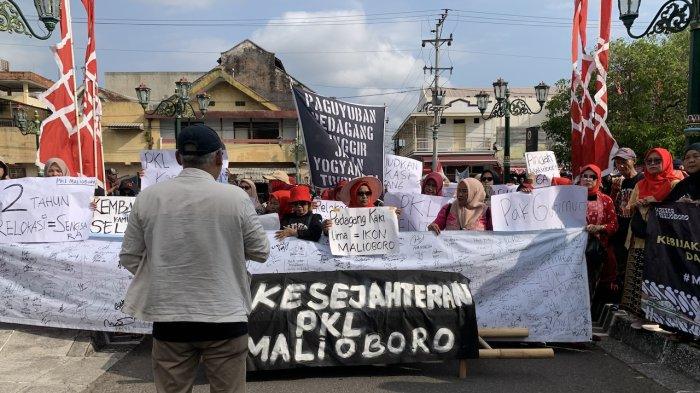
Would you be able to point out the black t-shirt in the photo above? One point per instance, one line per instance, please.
(622, 199)
(308, 226)
(198, 331)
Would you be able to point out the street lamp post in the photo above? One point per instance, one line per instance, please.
(506, 108)
(177, 106)
(675, 16)
(12, 20)
(27, 127)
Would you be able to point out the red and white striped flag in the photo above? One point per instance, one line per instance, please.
(61, 125)
(90, 131)
(591, 140)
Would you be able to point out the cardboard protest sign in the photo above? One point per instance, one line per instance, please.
(343, 140)
(161, 165)
(543, 166)
(402, 174)
(324, 207)
(45, 209)
(111, 216)
(417, 210)
(672, 267)
(364, 231)
(545, 208)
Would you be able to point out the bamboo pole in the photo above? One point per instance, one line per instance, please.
(503, 332)
(516, 353)
(462, 368)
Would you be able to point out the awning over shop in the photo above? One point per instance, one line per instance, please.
(125, 126)
(256, 173)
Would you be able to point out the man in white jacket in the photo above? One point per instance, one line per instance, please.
(187, 243)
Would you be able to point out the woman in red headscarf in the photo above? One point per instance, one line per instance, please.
(432, 184)
(278, 203)
(601, 223)
(659, 179)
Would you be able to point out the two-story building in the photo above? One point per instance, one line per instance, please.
(19, 88)
(251, 107)
(465, 140)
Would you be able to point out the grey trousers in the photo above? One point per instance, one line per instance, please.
(175, 365)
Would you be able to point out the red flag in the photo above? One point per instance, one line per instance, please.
(578, 36)
(591, 140)
(90, 133)
(57, 129)
(605, 145)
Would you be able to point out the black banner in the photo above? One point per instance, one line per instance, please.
(360, 317)
(671, 285)
(343, 141)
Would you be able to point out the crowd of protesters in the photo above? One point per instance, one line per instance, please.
(617, 209)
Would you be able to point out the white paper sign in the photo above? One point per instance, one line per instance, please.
(450, 190)
(498, 189)
(417, 210)
(402, 174)
(161, 165)
(324, 207)
(111, 216)
(364, 231)
(543, 166)
(535, 279)
(270, 222)
(545, 208)
(45, 209)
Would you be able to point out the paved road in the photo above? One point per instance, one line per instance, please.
(591, 370)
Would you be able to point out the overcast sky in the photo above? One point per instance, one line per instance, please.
(339, 48)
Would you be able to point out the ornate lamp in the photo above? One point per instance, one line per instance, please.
(541, 92)
(143, 93)
(499, 89)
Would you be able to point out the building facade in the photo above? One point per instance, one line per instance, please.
(20, 88)
(258, 123)
(467, 142)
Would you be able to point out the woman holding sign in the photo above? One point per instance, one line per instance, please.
(659, 180)
(601, 223)
(301, 222)
(466, 213)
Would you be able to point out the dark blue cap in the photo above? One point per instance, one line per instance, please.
(198, 140)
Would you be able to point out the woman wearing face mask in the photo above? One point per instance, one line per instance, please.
(466, 213)
(301, 222)
(432, 184)
(249, 187)
(601, 224)
(659, 180)
(688, 189)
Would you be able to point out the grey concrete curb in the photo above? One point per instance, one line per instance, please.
(680, 356)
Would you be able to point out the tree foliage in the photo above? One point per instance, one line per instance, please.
(647, 96)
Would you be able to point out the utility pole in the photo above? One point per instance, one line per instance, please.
(436, 106)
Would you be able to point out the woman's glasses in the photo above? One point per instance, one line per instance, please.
(485, 179)
(364, 193)
(653, 161)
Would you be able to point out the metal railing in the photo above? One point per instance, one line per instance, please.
(7, 123)
(447, 145)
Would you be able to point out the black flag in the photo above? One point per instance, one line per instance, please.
(343, 140)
